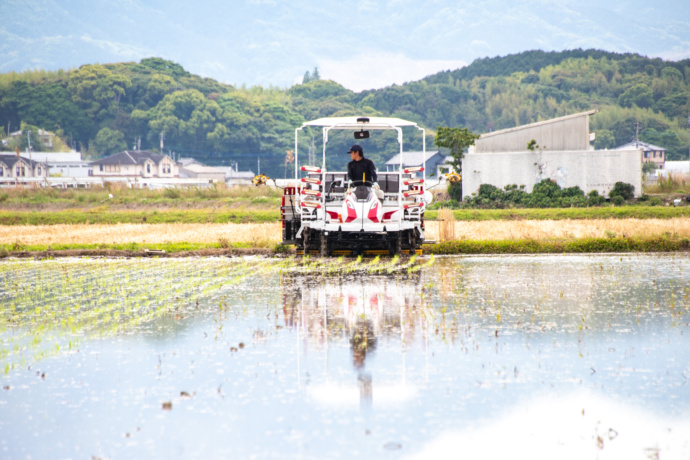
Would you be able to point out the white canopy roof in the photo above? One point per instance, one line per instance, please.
(351, 123)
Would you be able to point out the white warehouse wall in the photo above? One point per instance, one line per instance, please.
(588, 169)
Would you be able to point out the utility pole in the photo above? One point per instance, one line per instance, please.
(637, 134)
(259, 166)
(162, 140)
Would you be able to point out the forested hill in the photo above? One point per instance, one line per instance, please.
(102, 109)
(535, 60)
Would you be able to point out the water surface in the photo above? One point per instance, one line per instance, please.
(555, 356)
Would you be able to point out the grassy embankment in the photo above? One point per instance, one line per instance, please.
(222, 219)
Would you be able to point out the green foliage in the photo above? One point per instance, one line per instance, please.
(582, 245)
(457, 140)
(605, 212)
(97, 90)
(455, 191)
(604, 139)
(649, 167)
(623, 190)
(639, 95)
(221, 124)
(109, 142)
(545, 194)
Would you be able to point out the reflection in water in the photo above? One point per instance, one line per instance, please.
(361, 310)
(560, 356)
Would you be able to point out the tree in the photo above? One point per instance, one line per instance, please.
(97, 90)
(307, 78)
(109, 141)
(456, 140)
(649, 167)
(186, 117)
(640, 95)
(604, 139)
(158, 87)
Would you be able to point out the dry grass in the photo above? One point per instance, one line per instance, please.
(268, 234)
(672, 183)
(561, 229)
(445, 226)
(259, 235)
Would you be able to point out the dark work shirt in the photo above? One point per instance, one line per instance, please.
(362, 168)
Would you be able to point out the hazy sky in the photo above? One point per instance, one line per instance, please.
(361, 44)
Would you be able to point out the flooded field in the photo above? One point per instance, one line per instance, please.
(458, 357)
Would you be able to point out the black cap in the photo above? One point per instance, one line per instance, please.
(356, 148)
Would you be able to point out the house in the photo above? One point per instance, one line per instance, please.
(436, 163)
(62, 164)
(135, 164)
(650, 153)
(17, 167)
(46, 137)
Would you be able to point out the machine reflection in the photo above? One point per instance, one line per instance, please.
(363, 313)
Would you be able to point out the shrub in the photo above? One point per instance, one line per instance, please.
(618, 200)
(455, 191)
(594, 199)
(627, 191)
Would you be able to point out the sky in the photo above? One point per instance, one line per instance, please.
(361, 44)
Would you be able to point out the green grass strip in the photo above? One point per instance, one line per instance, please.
(583, 245)
(191, 216)
(622, 212)
(104, 216)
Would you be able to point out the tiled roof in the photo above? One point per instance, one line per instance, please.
(130, 157)
(11, 159)
(640, 145)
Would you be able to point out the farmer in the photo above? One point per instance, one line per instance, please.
(360, 168)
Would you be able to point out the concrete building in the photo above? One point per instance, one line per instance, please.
(567, 133)
(564, 155)
(62, 164)
(135, 164)
(676, 169)
(650, 153)
(235, 177)
(200, 171)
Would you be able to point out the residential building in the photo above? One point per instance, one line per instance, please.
(17, 167)
(436, 163)
(46, 137)
(650, 153)
(136, 164)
